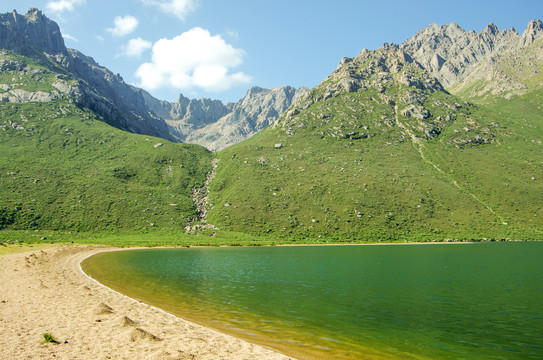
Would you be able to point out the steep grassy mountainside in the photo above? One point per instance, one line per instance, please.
(63, 168)
(380, 151)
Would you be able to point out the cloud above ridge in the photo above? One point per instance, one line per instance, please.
(63, 5)
(124, 25)
(136, 47)
(177, 8)
(194, 59)
(60, 6)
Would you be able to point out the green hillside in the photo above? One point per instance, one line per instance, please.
(379, 152)
(62, 168)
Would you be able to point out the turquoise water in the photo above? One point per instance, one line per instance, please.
(469, 301)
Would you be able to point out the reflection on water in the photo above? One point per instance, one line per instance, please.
(418, 301)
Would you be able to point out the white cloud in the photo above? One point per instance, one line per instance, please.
(194, 59)
(178, 8)
(136, 47)
(69, 37)
(60, 6)
(123, 25)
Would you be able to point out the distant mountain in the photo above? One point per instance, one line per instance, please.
(216, 126)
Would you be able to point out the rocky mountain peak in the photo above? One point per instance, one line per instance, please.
(449, 52)
(30, 34)
(33, 15)
(380, 69)
(387, 76)
(214, 125)
(255, 90)
(491, 29)
(533, 32)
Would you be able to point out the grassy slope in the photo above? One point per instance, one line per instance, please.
(63, 169)
(381, 188)
(506, 176)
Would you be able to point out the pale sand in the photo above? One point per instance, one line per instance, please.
(44, 291)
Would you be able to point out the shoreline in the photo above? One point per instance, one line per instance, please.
(46, 291)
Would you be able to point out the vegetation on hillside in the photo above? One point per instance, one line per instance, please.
(396, 163)
(64, 169)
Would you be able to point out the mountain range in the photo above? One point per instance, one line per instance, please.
(437, 138)
(207, 122)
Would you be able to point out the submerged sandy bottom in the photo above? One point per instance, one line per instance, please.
(44, 291)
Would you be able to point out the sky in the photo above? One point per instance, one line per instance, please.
(221, 48)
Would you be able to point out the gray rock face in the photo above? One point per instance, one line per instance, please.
(452, 54)
(215, 125)
(121, 104)
(187, 115)
(23, 96)
(82, 80)
(533, 32)
(22, 34)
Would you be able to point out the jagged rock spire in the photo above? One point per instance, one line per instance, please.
(31, 33)
(533, 31)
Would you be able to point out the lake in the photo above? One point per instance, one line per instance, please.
(442, 301)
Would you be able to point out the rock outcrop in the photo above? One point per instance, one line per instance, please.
(30, 33)
(78, 79)
(458, 58)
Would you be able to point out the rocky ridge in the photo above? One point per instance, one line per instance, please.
(66, 74)
(399, 81)
(31, 33)
(458, 58)
(438, 58)
(258, 109)
(213, 124)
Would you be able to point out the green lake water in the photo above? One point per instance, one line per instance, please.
(464, 301)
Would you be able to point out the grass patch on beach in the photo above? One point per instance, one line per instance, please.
(49, 339)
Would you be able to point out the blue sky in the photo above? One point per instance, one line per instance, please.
(219, 49)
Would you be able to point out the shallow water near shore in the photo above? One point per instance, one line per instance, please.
(476, 301)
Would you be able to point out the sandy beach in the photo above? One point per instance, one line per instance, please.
(44, 291)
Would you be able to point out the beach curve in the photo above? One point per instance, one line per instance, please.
(45, 291)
